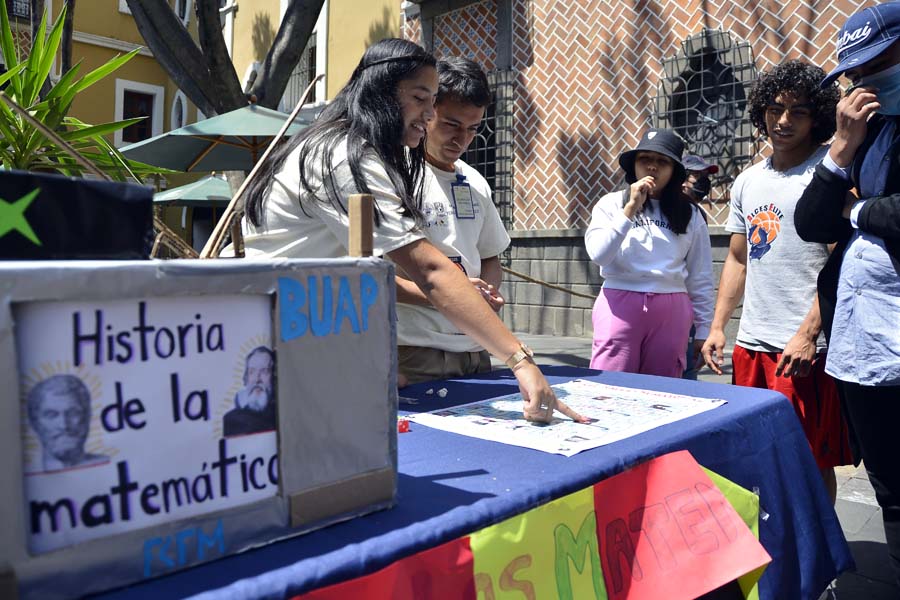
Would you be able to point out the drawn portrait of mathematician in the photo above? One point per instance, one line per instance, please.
(254, 403)
(59, 412)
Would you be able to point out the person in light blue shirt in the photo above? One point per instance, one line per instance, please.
(859, 286)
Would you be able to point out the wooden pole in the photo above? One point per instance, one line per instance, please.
(237, 237)
(362, 217)
(215, 241)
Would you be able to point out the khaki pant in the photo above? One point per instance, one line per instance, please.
(427, 364)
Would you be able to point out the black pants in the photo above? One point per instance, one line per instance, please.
(874, 416)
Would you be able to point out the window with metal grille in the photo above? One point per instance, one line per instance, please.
(702, 97)
(18, 8)
(490, 152)
(303, 73)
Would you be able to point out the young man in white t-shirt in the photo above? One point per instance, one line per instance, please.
(780, 345)
(461, 221)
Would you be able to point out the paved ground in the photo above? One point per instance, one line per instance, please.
(856, 507)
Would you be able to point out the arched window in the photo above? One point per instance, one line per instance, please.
(702, 97)
(178, 116)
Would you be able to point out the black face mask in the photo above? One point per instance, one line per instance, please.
(702, 185)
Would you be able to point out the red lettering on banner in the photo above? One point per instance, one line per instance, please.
(654, 521)
(484, 585)
(694, 520)
(721, 510)
(620, 553)
(664, 521)
(508, 583)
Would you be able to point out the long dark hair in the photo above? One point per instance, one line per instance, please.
(675, 205)
(367, 113)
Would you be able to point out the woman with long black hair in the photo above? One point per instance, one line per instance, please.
(370, 140)
(653, 248)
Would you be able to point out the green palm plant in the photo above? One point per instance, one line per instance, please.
(22, 146)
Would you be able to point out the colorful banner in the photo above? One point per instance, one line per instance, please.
(665, 519)
(662, 521)
(444, 571)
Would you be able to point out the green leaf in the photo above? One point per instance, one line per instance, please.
(103, 70)
(65, 83)
(97, 130)
(4, 77)
(22, 146)
(51, 46)
(7, 45)
(30, 84)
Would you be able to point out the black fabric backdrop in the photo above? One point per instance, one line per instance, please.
(74, 218)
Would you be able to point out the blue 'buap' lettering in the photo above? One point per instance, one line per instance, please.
(312, 307)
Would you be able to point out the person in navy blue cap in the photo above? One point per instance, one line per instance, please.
(859, 286)
(653, 248)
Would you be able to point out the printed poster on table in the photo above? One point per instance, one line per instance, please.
(615, 412)
(140, 412)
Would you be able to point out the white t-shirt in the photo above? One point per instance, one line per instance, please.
(781, 268)
(322, 230)
(644, 254)
(466, 241)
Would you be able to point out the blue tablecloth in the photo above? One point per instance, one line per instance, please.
(451, 485)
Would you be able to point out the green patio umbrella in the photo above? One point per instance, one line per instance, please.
(229, 142)
(211, 191)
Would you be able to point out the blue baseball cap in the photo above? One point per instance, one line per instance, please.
(864, 36)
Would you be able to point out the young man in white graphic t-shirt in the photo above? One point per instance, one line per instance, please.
(780, 345)
(461, 221)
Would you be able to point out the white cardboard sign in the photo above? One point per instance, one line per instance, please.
(141, 412)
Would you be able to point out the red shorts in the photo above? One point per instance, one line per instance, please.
(814, 397)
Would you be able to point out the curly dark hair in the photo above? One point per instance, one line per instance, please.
(800, 79)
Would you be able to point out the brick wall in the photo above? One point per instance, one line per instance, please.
(559, 257)
(585, 74)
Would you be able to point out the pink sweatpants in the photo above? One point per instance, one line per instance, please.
(638, 332)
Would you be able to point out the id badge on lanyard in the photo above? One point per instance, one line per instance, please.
(463, 204)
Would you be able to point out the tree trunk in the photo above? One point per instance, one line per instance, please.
(292, 37)
(37, 11)
(226, 85)
(67, 36)
(175, 51)
(206, 74)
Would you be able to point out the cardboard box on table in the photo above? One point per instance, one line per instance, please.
(166, 350)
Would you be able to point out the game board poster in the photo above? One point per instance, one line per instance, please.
(615, 413)
(140, 412)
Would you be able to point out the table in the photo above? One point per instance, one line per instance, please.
(450, 485)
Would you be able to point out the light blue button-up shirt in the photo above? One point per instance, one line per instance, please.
(865, 336)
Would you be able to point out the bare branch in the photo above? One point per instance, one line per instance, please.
(206, 73)
(293, 34)
(175, 51)
(226, 86)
